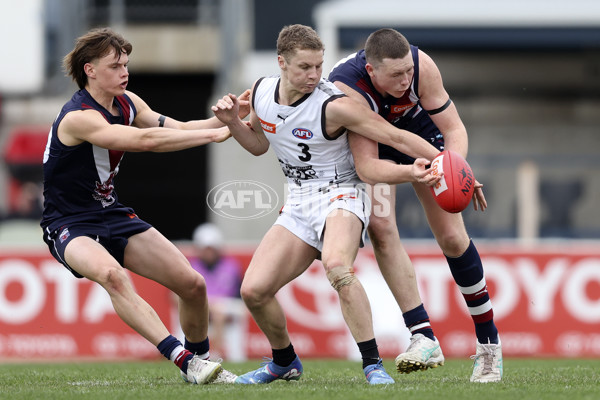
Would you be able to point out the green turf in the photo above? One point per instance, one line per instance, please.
(331, 380)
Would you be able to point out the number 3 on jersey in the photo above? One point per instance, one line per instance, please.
(306, 156)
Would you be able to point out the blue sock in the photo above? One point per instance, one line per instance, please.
(417, 321)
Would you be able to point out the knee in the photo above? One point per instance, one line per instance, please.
(252, 295)
(114, 279)
(197, 288)
(341, 276)
(454, 243)
(380, 229)
(190, 286)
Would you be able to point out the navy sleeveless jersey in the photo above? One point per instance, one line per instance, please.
(404, 112)
(352, 72)
(79, 180)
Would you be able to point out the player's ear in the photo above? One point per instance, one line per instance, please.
(89, 69)
(281, 62)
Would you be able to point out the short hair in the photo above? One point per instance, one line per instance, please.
(297, 37)
(385, 43)
(93, 45)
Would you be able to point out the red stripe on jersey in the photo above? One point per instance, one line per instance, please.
(125, 107)
(115, 157)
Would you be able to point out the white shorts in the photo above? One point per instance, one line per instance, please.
(304, 214)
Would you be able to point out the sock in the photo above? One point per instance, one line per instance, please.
(284, 357)
(369, 352)
(417, 321)
(201, 348)
(173, 350)
(467, 272)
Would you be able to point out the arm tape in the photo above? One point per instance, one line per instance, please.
(161, 121)
(439, 110)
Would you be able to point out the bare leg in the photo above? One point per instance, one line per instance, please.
(342, 237)
(91, 260)
(395, 265)
(280, 257)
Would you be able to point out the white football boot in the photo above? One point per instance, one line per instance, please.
(421, 354)
(223, 376)
(487, 363)
(201, 371)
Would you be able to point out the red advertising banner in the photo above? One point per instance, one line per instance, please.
(45, 312)
(546, 303)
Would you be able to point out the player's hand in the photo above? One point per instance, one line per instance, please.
(479, 202)
(244, 100)
(227, 109)
(422, 174)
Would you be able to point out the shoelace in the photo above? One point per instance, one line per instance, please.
(488, 357)
(413, 343)
(265, 361)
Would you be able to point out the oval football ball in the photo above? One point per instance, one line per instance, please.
(454, 191)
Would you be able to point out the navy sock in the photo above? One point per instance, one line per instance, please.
(168, 346)
(369, 352)
(417, 321)
(284, 357)
(198, 348)
(467, 272)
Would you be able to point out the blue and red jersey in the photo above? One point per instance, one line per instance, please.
(79, 180)
(404, 112)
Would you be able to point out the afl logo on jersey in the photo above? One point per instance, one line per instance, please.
(302, 133)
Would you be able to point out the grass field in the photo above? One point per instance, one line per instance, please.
(322, 379)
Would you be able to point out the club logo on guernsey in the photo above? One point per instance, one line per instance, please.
(103, 191)
(267, 126)
(302, 133)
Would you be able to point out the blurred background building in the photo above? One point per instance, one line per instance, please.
(525, 76)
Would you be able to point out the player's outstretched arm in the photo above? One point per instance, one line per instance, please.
(148, 118)
(373, 170)
(90, 126)
(362, 120)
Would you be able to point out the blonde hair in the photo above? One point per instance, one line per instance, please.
(297, 37)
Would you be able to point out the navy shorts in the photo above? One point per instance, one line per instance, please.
(111, 228)
(421, 125)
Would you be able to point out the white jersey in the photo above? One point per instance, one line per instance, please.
(308, 157)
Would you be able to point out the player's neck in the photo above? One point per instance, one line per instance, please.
(103, 98)
(288, 95)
